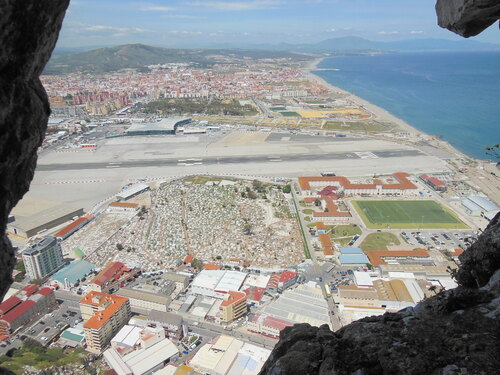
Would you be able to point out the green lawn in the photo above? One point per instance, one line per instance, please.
(407, 215)
(290, 114)
(345, 230)
(308, 211)
(277, 108)
(379, 241)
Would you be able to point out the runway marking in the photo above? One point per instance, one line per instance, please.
(113, 166)
(73, 182)
(366, 155)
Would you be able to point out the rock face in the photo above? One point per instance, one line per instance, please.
(28, 34)
(454, 332)
(467, 17)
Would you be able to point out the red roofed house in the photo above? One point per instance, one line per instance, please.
(273, 282)
(107, 277)
(402, 186)
(20, 309)
(433, 182)
(267, 325)
(233, 307)
(287, 279)
(8, 305)
(255, 294)
(104, 315)
(73, 227)
(188, 259)
(212, 267)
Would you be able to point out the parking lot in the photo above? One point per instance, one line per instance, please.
(439, 239)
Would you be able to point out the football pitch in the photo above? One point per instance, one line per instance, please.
(407, 215)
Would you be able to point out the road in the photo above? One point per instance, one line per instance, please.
(214, 160)
(318, 272)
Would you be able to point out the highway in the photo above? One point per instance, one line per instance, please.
(213, 160)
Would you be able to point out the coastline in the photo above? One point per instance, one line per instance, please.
(380, 113)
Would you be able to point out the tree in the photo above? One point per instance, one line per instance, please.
(119, 246)
(196, 263)
(317, 202)
(247, 229)
(287, 189)
(252, 195)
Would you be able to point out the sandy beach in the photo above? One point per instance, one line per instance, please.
(379, 113)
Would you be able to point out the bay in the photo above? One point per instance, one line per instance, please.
(454, 95)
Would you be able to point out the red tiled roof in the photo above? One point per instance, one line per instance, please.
(188, 258)
(30, 289)
(273, 322)
(273, 280)
(9, 304)
(320, 225)
(212, 267)
(234, 298)
(456, 252)
(101, 317)
(70, 227)
(255, 293)
(327, 251)
(325, 240)
(287, 275)
(401, 177)
(45, 291)
(376, 257)
(15, 313)
(333, 209)
(107, 273)
(433, 180)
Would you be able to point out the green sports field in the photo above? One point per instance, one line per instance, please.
(407, 215)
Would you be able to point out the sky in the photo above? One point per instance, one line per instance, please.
(205, 23)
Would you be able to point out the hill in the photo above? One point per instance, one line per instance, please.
(139, 55)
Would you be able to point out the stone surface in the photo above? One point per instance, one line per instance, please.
(28, 33)
(454, 332)
(467, 17)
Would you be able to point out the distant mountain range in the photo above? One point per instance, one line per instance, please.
(414, 45)
(139, 55)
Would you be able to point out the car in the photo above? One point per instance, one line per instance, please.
(44, 338)
(64, 315)
(41, 322)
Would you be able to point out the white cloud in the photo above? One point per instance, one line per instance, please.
(116, 30)
(416, 32)
(184, 32)
(388, 32)
(238, 5)
(331, 30)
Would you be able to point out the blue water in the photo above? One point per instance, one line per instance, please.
(455, 95)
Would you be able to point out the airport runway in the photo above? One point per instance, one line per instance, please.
(220, 160)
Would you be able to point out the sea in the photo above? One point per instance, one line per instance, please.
(455, 95)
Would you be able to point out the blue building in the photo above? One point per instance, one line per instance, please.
(68, 276)
(353, 256)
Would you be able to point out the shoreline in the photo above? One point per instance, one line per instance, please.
(380, 113)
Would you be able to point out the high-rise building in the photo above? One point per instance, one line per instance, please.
(233, 307)
(43, 258)
(104, 315)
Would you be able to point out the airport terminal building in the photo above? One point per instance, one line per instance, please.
(164, 127)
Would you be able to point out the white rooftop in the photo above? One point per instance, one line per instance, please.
(219, 280)
(363, 278)
(127, 336)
